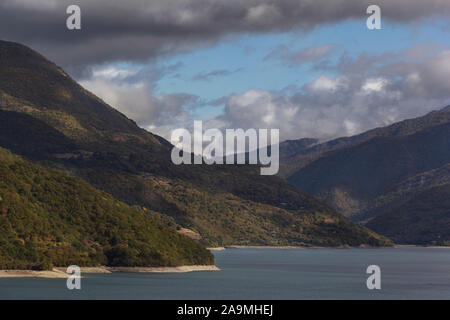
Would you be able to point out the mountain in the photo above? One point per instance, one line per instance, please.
(376, 171)
(48, 118)
(296, 158)
(289, 149)
(47, 218)
(425, 219)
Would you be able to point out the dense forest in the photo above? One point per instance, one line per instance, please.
(49, 219)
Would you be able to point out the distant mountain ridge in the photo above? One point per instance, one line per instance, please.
(296, 159)
(377, 171)
(50, 119)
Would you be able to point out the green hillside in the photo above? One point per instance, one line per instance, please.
(227, 219)
(47, 218)
(48, 118)
(425, 219)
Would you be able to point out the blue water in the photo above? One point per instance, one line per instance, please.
(406, 273)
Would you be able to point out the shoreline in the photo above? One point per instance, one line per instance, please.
(54, 274)
(216, 248)
(397, 246)
(181, 269)
(417, 246)
(298, 247)
(59, 272)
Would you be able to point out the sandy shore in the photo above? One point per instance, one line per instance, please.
(415, 246)
(265, 247)
(59, 273)
(216, 249)
(340, 247)
(289, 247)
(88, 270)
(55, 274)
(181, 269)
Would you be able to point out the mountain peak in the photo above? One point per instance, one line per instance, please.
(291, 147)
(31, 84)
(14, 45)
(14, 54)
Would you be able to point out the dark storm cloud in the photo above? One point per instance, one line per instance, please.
(208, 76)
(138, 30)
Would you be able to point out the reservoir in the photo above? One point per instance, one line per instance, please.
(406, 273)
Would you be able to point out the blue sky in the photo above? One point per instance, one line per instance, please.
(350, 37)
(245, 54)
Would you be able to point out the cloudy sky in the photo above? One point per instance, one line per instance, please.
(308, 67)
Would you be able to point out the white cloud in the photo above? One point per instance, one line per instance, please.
(112, 72)
(326, 83)
(374, 85)
(357, 100)
(134, 95)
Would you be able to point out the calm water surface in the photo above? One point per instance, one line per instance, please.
(407, 273)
